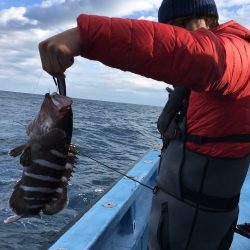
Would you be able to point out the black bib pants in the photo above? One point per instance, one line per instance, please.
(196, 205)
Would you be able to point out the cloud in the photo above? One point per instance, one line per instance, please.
(243, 15)
(51, 3)
(58, 13)
(25, 27)
(237, 10)
(149, 18)
(231, 3)
(22, 28)
(15, 17)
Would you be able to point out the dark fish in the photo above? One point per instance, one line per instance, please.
(48, 160)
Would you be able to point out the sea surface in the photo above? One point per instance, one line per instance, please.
(114, 133)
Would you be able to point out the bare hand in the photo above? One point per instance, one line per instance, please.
(57, 53)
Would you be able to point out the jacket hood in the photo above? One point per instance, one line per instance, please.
(234, 28)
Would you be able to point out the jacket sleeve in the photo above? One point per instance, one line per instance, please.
(196, 60)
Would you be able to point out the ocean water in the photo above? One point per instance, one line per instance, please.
(113, 133)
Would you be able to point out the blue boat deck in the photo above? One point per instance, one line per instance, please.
(118, 221)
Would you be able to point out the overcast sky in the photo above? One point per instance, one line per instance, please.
(24, 23)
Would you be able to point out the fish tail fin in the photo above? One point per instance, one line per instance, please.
(12, 218)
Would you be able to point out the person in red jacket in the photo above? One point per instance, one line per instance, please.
(205, 124)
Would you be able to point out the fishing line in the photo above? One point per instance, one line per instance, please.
(56, 83)
(38, 82)
(19, 123)
(156, 136)
(129, 177)
(91, 158)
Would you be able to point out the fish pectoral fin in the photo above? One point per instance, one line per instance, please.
(17, 150)
(53, 137)
(56, 204)
(25, 158)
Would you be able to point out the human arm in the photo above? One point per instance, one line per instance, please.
(159, 51)
(197, 60)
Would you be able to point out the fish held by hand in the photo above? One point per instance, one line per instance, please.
(48, 160)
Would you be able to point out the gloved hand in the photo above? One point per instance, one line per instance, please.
(57, 53)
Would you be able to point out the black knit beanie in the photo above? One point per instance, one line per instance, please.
(172, 9)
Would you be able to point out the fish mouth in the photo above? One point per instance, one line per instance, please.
(57, 102)
(54, 109)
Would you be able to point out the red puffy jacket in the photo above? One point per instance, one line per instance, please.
(214, 64)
